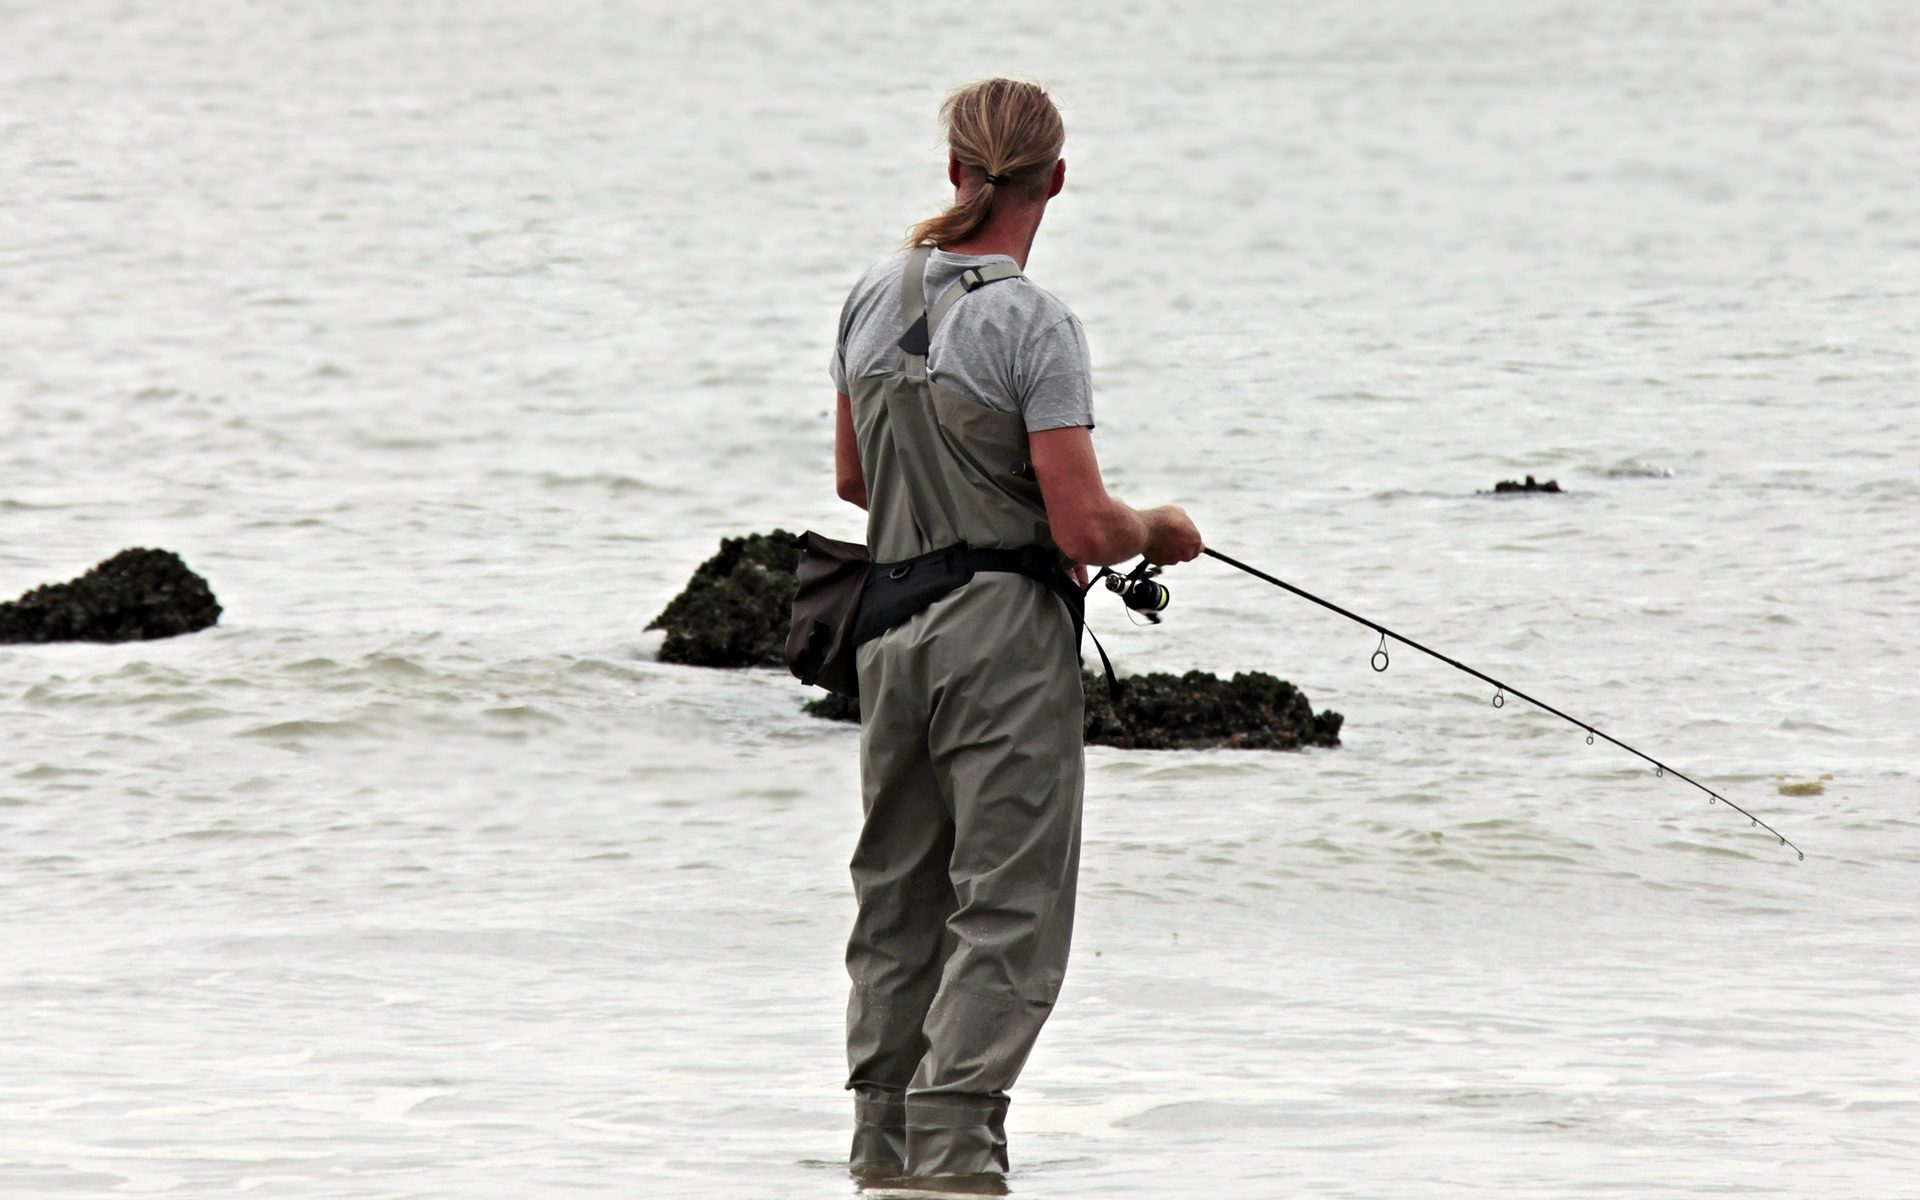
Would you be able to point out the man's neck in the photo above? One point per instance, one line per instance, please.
(1010, 233)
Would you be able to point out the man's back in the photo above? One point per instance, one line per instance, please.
(1013, 346)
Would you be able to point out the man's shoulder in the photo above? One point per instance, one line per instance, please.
(1026, 305)
(1033, 302)
(881, 272)
(875, 285)
(1030, 304)
(1045, 302)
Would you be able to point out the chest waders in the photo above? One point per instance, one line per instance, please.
(970, 771)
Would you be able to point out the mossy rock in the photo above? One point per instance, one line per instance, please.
(1507, 487)
(736, 608)
(1251, 711)
(1194, 711)
(137, 595)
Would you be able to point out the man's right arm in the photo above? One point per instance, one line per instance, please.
(1089, 525)
(849, 481)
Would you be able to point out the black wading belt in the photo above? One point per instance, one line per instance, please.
(897, 592)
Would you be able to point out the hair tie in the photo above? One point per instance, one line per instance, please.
(996, 179)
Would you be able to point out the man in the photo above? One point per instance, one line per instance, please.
(964, 417)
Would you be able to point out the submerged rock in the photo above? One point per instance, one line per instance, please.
(1508, 485)
(1195, 711)
(834, 707)
(736, 608)
(137, 595)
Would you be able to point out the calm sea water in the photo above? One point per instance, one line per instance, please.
(445, 340)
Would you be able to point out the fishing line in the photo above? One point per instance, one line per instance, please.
(1501, 691)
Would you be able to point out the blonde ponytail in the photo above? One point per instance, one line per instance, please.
(1008, 131)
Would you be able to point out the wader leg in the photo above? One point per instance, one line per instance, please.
(1007, 741)
(899, 934)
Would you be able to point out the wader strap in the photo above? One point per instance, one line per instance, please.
(1106, 664)
(970, 279)
(916, 322)
(915, 332)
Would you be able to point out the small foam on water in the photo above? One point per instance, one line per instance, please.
(1637, 469)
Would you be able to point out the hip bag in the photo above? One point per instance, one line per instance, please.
(831, 577)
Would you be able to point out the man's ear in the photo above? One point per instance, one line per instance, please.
(953, 169)
(1059, 178)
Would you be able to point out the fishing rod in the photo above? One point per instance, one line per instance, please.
(1142, 593)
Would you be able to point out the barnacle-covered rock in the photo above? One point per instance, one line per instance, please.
(137, 595)
(1508, 485)
(735, 610)
(1251, 711)
(1194, 711)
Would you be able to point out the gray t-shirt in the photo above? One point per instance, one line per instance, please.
(1010, 345)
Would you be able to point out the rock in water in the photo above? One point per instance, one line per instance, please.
(736, 608)
(1508, 485)
(835, 707)
(1195, 711)
(1251, 711)
(135, 596)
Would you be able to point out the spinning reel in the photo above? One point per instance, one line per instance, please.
(1140, 591)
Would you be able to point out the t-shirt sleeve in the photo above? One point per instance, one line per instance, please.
(1057, 371)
